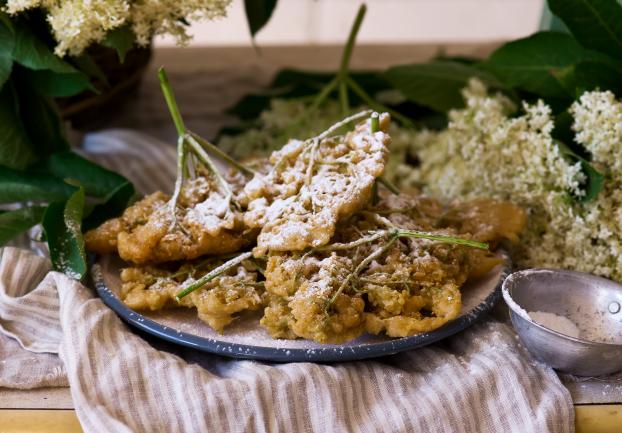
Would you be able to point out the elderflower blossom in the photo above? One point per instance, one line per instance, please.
(484, 152)
(598, 127)
(76, 24)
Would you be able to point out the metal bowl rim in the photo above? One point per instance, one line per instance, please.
(507, 292)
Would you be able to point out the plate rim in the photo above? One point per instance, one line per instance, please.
(284, 354)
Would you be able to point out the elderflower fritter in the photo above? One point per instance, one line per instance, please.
(485, 152)
(290, 118)
(77, 24)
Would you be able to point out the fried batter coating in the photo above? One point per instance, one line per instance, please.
(440, 305)
(217, 302)
(103, 239)
(488, 220)
(147, 232)
(306, 314)
(312, 185)
(415, 291)
(413, 286)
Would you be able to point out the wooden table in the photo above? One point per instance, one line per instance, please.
(598, 405)
(50, 410)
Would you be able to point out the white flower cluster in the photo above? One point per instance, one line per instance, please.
(76, 24)
(486, 153)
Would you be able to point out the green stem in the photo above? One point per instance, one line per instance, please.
(343, 98)
(354, 244)
(181, 162)
(341, 123)
(182, 168)
(171, 102)
(374, 122)
(222, 155)
(213, 274)
(205, 159)
(347, 52)
(395, 190)
(376, 105)
(366, 261)
(443, 238)
(327, 90)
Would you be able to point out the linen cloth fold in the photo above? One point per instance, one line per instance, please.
(480, 380)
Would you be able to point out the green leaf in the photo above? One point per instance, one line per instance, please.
(96, 180)
(595, 180)
(113, 206)
(437, 84)
(587, 76)
(15, 148)
(596, 24)
(258, 13)
(42, 123)
(29, 185)
(87, 65)
(121, 39)
(13, 223)
(32, 53)
(528, 63)
(57, 85)
(7, 43)
(62, 227)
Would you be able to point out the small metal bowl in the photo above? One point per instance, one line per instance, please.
(594, 304)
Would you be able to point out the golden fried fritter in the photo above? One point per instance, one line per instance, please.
(217, 302)
(333, 294)
(103, 239)
(148, 233)
(312, 185)
(307, 314)
(488, 220)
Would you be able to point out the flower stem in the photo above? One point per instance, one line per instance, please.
(343, 98)
(205, 159)
(213, 274)
(361, 241)
(347, 52)
(171, 102)
(364, 263)
(374, 122)
(181, 169)
(442, 238)
(223, 155)
(395, 190)
(342, 123)
(376, 105)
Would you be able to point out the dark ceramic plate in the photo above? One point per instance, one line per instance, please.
(246, 339)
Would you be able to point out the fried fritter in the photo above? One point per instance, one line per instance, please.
(412, 286)
(312, 185)
(148, 233)
(103, 239)
(306, 315)
(217, 302)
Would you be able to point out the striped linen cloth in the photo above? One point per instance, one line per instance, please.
(54, 331)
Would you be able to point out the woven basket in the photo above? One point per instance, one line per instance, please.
(88, 111)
